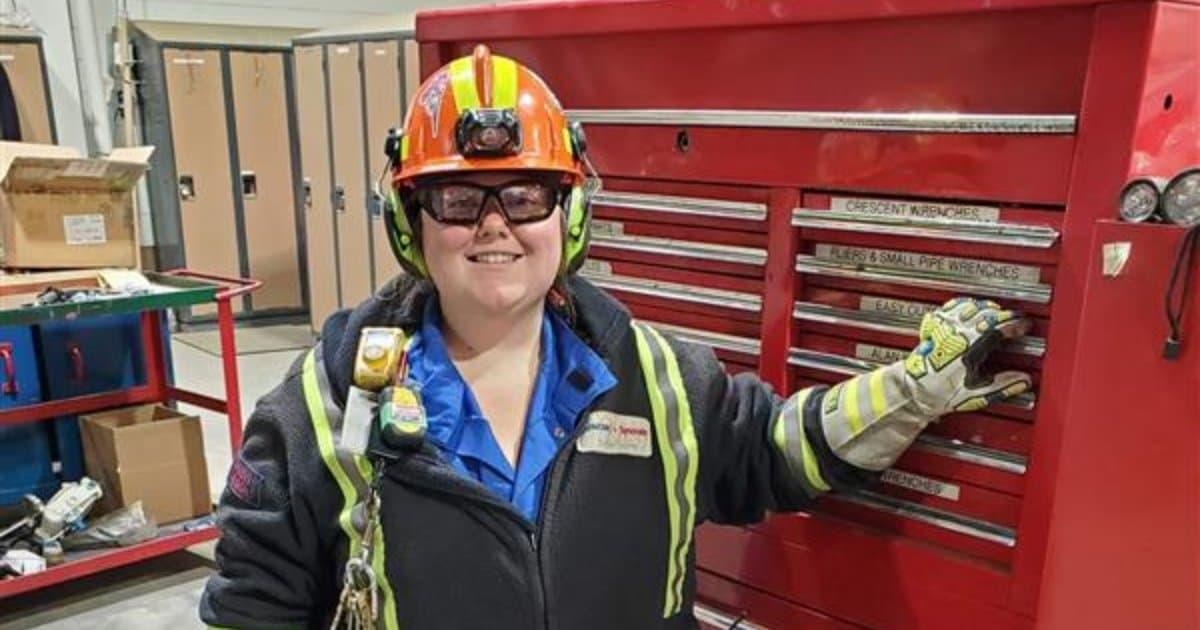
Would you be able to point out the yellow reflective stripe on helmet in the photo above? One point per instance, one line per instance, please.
(504, 83)
(462, 81)
(678, 448)
(566, 134)
(403, 148)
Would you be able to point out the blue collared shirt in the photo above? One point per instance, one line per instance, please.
(571, 376)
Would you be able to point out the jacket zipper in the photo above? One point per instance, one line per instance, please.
(451, 483)
(548, 494)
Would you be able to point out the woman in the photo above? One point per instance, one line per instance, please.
(538, 459)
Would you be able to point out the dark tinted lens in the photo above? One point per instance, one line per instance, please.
(527, 201)
(456, 203)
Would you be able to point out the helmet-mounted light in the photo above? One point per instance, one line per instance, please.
(488, 133)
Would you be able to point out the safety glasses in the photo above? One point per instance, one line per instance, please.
(462, 203)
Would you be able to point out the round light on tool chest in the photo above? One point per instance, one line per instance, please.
(1181, 198)
(1139, 199)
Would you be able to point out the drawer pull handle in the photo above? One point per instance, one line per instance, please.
(78, 367)
(911, 122)
(10, 370)
(695, 206)
(1017, 235)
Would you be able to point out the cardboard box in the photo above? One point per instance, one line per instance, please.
(147, 452)
(59, 209)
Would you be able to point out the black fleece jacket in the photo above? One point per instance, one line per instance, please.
(459, 557)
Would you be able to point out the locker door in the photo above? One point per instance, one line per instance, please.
(23, 63)
(349, 172)
(381, 70)
(312, 120)
(196, 101)
(260, 112)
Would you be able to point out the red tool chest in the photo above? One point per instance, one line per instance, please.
(795, 182)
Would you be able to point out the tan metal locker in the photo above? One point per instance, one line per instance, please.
(349, 168)
(314, 156)
(26, 73)
(268, 204)
(381, 71)
(196, 100)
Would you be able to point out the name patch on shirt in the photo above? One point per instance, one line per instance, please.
(614, 434)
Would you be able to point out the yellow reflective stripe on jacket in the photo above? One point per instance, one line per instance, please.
(790, 440)
(680, 453)
(324, 434)
(351, 472)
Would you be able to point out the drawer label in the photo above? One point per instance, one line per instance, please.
(903, 308)
(924, 485)
(915, 209)
(84, 229)
(610, 229)
(595, 267)
(879, 354)
(92, 169)
(929, 263)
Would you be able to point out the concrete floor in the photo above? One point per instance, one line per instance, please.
(161, 593)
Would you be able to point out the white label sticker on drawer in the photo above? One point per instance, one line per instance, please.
(903, 308)
(915, 209)
(924, 485)
(879, 354)
(608, 228)
(93, 169)
(85, 229)
(929, 263)
(596, 267)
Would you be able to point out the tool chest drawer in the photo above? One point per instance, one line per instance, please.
(886, 159)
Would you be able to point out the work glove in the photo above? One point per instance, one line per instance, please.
(871, 419)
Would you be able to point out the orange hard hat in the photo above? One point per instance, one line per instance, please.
(485, 113)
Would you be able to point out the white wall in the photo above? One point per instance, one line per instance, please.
(53, 19)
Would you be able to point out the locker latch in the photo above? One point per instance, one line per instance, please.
(339, 198)
(187, 187)
(308, 202)
(249, 185)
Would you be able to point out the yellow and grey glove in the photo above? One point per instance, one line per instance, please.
(871, 419)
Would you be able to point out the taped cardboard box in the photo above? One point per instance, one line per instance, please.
(148, 452)
(59, 209)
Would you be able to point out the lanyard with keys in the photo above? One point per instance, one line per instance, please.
(358, 603)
